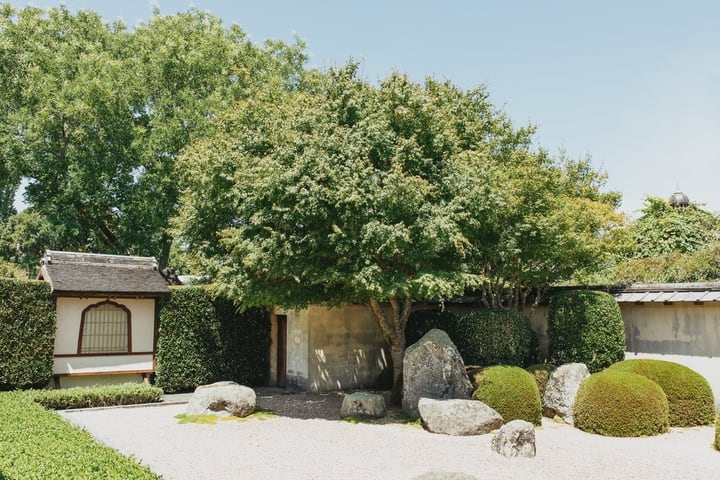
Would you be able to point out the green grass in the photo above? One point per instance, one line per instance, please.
(36, 443)
(209, 419)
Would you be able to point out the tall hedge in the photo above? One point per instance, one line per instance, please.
(422, 321)
(202, 340)
(493, 337)
(27, 334)
(585, 326)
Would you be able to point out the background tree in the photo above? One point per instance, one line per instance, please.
(671, 244)
(96, 115)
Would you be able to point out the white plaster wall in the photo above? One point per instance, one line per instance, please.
(90, 381)
(69, 314)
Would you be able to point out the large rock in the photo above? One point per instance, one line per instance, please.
(222, 399)
(458, 417)
(561, 389)
(433, 368)
(515, 439)
(361, 404)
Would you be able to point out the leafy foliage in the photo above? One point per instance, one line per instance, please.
(541, 373)
(39, 444)
(27, 334)
(716, 443)
(492, 337)
(585, 326)
(94, 116)
(202, 340)
(671, 245)
(422, 321)
(511, 391)
(689, 395)
(616, 403)
(99, 396)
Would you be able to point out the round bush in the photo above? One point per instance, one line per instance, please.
(585, 326)
(511, 391)
(717, 432)
(492, 337)
(689, 395)
(541, 372)
(422, 321)
(621, 404)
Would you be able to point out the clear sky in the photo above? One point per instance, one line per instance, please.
(635, 84)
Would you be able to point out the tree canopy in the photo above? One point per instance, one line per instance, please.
(94, 116)
(344, 192)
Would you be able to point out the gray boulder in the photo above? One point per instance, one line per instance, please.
(561, 389)
(222, 399)
(458, 417)
(433, 368)
(515, 439)
(361, 404)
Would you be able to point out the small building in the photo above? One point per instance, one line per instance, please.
(107, 316)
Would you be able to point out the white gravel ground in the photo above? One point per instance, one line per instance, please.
(287, 448)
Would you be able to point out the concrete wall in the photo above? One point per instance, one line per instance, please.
(331, 349)
(69, 314)
(681, 332)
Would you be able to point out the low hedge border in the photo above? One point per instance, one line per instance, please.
(100, 396)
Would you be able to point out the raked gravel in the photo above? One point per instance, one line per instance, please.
(292, 448)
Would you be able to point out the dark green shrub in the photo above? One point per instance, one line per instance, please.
(492, 337)
(511, 391)
(621, 404)
(39, 444)
(422, 321)
(689, 395)
(541, 372)
(202, 340)
(101, 396)
(585, 326)
(27, 334)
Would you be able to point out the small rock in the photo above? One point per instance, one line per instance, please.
(561, 389)
(458, 417)
(222, 399)
(362, 404)
(515, 439)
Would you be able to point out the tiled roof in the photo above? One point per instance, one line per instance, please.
(91, 274)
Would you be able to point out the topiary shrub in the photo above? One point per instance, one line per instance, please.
(585, 326)
(511, 391)
(422, 321)
(492, 337)
(717, 432)
(541, 372)
(615, 403)
(689, 395)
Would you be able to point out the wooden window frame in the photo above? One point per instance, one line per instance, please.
(128, 317)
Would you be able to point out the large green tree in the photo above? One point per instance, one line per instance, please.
(94, 116)
(344, 192)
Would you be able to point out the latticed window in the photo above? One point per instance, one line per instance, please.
(105, 328)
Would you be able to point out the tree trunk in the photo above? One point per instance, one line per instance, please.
(393, 327)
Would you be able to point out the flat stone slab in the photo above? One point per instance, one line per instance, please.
(458, 417)
(362, 404)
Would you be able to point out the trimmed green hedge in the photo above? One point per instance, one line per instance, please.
(27, 334)
(511, 391)
(493, 337)
(202, 340)
(37, 444)
(100, 396)
(689, 395)
(422, 321)
(621, 404)
(585, 326)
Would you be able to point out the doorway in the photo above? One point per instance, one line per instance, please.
(281, 351)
